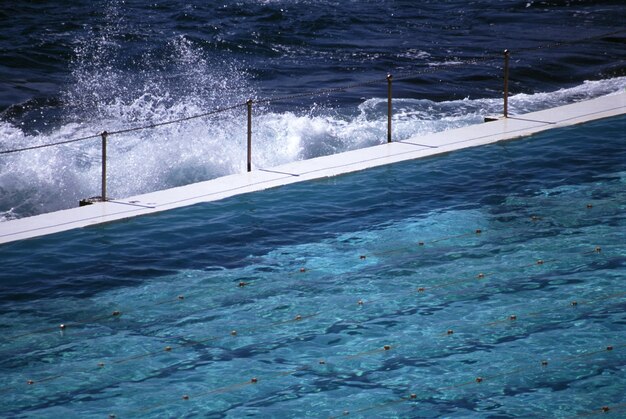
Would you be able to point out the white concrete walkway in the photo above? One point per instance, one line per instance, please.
(351, 161)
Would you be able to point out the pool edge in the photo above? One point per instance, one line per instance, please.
(416, 147)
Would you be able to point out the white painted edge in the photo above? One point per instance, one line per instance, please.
(320, 167)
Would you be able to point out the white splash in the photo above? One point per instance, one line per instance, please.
(184, 82)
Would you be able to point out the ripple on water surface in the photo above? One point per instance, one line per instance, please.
(485, 282)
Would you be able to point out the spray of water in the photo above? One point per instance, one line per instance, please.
(110, 91)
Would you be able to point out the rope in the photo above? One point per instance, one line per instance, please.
(127, 130)
(242, 284)
(175, 121)
(557, 44)
(480, 379)
(182, 297)
(605, 409)
(296, 319)
(170, 348)
(321, 92)
(204, 340)
(373, 268)
(256, 380)
(385, 348)
(34, 147)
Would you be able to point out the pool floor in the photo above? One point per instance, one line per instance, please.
(484, 283)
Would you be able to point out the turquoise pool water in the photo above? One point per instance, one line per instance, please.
(485, 283)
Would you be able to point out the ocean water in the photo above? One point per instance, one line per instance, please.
(71, 69)
(317, 278)
(347, 295)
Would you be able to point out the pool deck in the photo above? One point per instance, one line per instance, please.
(263, 178)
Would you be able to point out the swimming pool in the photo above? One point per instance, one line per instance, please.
(486, 282)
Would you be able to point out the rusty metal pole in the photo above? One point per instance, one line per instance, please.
(249, 103)
(506, 83)
(104, 166)
(389, 110)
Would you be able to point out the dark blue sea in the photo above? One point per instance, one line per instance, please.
(483, 283)
(71, 69)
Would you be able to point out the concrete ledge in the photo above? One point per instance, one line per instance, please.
(327, 166)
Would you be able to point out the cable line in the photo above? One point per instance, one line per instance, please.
(268, 100)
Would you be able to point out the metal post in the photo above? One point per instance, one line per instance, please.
(506, 83)
(104, 166)
(389, 77)
(249, 103)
